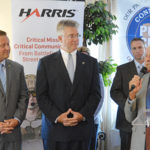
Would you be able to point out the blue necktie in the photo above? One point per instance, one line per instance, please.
(70, 67)
(3, 76)
(138, 69)
(148, 96)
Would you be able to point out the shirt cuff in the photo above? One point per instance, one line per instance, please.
(56, 120)
(17, 119)
(130, 101)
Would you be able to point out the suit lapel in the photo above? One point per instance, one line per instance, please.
(1, 88)
(145, 86)
(9, 72)
(132, 69)
(60, 66)
(143, 92)
(79, 68)
(62, 70)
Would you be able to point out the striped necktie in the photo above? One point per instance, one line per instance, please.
(139, 68)
(70, 67)
(3, 76)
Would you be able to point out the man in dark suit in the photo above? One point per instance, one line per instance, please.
(119, 90)
(13, 98)
(68, 100)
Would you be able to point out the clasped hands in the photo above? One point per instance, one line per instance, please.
(7, 126)
(63, 118)
(137, 82)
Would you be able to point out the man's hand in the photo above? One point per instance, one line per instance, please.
(137, 82)
(12, 122)
(63, 118)
(1, 126)
(67, 121)
(77, 116)
(8, 125)
(5, 128)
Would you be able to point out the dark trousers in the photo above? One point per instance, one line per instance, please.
(10, 145)
(125, 140)
(93, 144)
(72, 145)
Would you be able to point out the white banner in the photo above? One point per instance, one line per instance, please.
(34, 28)
(34, 36)
(133, 19)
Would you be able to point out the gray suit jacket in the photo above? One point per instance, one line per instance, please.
(134, 111)
(14, 102)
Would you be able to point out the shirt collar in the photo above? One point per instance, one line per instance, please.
(138, 64)
(66, 53)
(3, 62)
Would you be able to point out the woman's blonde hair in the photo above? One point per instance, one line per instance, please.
(84, 49)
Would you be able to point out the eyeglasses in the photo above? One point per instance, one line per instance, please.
(73, 36)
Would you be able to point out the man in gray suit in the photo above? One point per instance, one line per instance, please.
(119, 90)
(136, 104)
(13, 98)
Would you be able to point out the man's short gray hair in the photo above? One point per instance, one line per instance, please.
(65, 23)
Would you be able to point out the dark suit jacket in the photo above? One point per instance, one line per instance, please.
(119, 92)
(14, 102)
(56, 94)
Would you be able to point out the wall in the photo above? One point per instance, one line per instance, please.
(5, 18)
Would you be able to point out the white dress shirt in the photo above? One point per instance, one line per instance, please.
(65, 57)
(138, 66)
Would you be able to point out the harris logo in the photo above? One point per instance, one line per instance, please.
(47, 13)
(139, 26)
